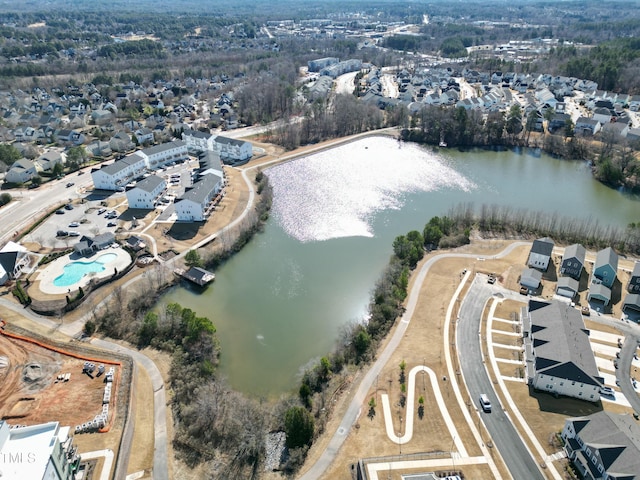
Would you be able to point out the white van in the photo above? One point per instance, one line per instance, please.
(485, 403)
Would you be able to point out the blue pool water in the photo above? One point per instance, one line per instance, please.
(74, 271)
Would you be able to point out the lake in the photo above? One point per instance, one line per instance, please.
(282, 301)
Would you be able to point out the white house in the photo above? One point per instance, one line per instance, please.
(21, 171)
(540, 253)
(233, 150)
(198, 141)
(48, 160)
(558, 356)
(159, 155)
(144, 135)
(146, 192)
(13, 259)
(193, 206)
(43, 451)
(119, 173)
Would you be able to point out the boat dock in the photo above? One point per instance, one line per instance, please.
(196, 275)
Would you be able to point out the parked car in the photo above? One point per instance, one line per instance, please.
(62, 233)
(74, 224)
(68, 206)
(112, 224)
(492, 278)
(607, 391)
(60, 212)
(70, 184)
(74, 234)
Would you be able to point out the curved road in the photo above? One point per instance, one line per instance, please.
(504, 435)
(353, 410)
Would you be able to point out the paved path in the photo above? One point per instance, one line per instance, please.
(160, 457)
(408, 434)
(353, 410)
(108, 461)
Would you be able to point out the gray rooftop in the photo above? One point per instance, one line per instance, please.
(561, 338)
(121, 164)
(569, 283)
(197, 134)
(601, 291)
(576, 251)
(636, 270)
(150, 183)
(163, 147)
(202, 188)
(616, 437)
(229, 141)
(542, 246)
(606, 256)
(632, 300)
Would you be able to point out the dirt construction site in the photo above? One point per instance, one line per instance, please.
(40, 382)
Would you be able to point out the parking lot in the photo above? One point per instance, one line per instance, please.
(89, 218)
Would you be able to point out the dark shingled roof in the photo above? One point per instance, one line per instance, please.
(561, 343)
(542, 246)
(615, 440)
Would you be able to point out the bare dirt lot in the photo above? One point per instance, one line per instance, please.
(30, 392)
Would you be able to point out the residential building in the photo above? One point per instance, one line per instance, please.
(210, 160)
(159, 155)
(567, 287)
(558, 356)
(573, 261)
(600, 292)
(146, 192)
(119, 173)
(320, 63)
(144, 135)
(194, 205)
(587, 126)
(198, 141)
(43, 451)
(634, 282)
(232, 150)
(88, 245)
(631, 302)
(47, 161)
(13, 259)
(603, 445)
(530, 278)
(21, 171)
(540, 253)
(605, 267)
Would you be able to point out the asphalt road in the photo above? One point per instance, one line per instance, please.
(503, 434)
(29, 204)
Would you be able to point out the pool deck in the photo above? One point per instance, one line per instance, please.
(47, 275)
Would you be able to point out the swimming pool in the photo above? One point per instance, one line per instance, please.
(74, 271)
